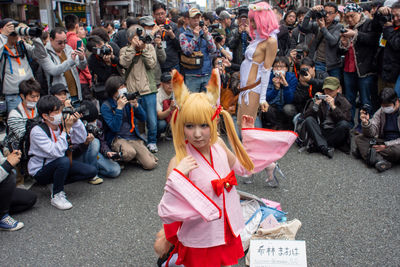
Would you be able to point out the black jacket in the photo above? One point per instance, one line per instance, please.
(302, 94)
(173, 48)
(331, 36)
(234, 42)
(391, 54)
(100, 69)
(120, 38)
(340, 113)
(365, 46)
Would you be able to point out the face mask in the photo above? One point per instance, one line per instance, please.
(278, 72)
(57, 119)
(30, 105)
(122, 91)
(388, 110)
(148, 32)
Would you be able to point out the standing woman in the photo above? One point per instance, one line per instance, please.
(259, 56)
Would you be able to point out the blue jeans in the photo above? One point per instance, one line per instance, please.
(105, 167)
(353, 85)
(60, 172)
(161, 126)
(149, 104)
(196, 84)
(336, 72)
(12, 101)
(397, 87)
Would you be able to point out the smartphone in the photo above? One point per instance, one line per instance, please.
(78, 44)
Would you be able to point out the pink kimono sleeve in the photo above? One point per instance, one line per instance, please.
(183, 200)
(264, 147)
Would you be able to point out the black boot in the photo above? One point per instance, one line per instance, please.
(383, 165)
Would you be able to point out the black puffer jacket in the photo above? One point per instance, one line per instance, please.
(391, 54)
(365, 46)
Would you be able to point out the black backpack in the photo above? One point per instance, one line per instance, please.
(23, 143)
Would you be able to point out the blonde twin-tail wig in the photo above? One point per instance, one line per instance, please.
(199, 108)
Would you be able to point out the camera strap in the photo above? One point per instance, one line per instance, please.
(17, 56)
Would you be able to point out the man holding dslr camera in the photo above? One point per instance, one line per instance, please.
(197, 47)
(379, 143)
(15, 56)
(328, 119)
(325, 45)
(50, 163)
(168, 31)
(140, 60)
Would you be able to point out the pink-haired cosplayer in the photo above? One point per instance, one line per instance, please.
(200, 207)
(259, 57)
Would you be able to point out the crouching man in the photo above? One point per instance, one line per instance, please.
(49, 142)
(379, 143)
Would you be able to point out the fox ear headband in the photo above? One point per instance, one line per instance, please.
(181, 92)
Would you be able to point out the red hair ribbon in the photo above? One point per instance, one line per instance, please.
(176, 115)
(228, 182)
(217, 112)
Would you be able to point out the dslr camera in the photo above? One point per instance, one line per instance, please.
(132, 96)
(83, 109)
(320, 14)
(102, 51)
(167, 27)
(303, 71)
(201, 23)
(299, 54)
(343, 30)
(217, 37)
(213, 27)
(93, 129)
(26, 31)
(145, 39)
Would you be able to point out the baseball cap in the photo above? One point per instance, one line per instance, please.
(5, 21)
(331, 83)
(166, 77)
(243, 12)
(58, 88)
(224, 15)
(147, 21)
(193, 12)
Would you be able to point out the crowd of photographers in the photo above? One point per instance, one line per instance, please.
(79, 102)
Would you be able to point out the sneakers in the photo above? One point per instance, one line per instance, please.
(60, 201)
(248, 179)
(7, 223)
(383, 165)
(95, 180)
(328, 151)
(153, 148)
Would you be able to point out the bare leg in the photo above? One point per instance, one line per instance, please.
(250, 109)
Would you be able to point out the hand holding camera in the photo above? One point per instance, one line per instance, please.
(364, 117)
(14, 157)
(318, 98)
(121, 102)
(8, 28)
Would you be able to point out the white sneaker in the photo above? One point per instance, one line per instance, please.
(153, 148)
(60, 201)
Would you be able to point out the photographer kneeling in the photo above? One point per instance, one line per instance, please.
(165, 103)
(385, 150)
(49, 142)
(120, 111)
(328, 119)
(280, 92)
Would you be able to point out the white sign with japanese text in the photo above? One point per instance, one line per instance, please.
(282, 253)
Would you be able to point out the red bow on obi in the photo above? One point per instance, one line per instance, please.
(227, 182)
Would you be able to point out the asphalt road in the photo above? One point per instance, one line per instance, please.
(350, 216)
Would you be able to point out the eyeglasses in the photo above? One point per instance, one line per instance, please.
(330, 13)
(62, 42)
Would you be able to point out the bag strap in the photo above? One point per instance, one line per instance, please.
(134, 61)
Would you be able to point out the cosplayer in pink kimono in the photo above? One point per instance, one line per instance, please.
(200, 207)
